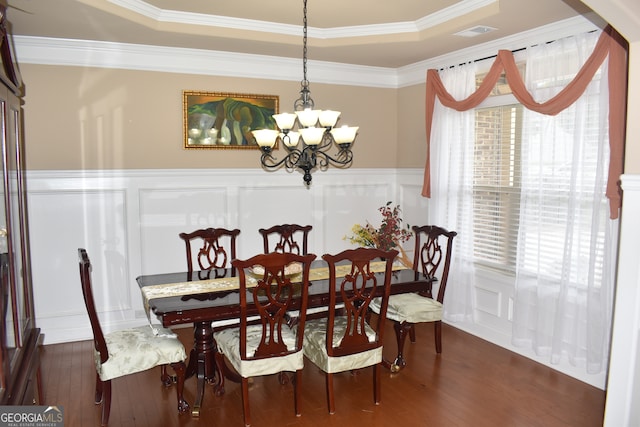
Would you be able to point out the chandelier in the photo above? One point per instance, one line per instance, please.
(307, 147)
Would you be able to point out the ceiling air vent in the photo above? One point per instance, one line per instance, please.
(475, 31)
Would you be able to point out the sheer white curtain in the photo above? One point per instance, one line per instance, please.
(566, 243)
(451, 203)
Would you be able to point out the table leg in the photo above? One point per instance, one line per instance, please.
(202, 361)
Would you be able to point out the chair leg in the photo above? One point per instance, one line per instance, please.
(401, 330)
(376, 383)
(219, 384)
(438, 333)
(224, 372)
(106, 402)
(245, 401)
(297, 392)
(412, 333)
(180, 369)
(99, 390)
(283, 378)
(165, 377)
(330, 399)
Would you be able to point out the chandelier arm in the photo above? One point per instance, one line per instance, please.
(268, 161)
(343, 158)
(326, 142)
(293, 159)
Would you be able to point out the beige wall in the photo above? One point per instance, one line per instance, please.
(412, 139)
(624, 16)
(90, 118)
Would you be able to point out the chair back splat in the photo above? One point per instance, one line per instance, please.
(210, 251)
(287, 238)
(428, 256)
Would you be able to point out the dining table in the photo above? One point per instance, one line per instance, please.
(212, 296)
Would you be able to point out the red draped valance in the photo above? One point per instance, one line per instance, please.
(610, 43)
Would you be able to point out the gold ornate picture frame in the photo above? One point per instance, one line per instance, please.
(225, 120)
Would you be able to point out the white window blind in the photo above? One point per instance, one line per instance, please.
(496, 185)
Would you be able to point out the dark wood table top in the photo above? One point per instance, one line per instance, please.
(225, 304)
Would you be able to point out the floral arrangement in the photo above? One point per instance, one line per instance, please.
(389, 235)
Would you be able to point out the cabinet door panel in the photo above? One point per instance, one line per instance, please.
(6, 332)
(9, 298)
(17, 230)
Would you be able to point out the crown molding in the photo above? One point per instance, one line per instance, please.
(461, 8)
(87, 53)
(99, 54)
(416, 73)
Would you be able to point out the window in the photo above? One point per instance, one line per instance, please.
(496, 185)
(559, 227)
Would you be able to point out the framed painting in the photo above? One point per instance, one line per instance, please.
(225, 120)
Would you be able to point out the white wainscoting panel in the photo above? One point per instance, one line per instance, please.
(263, 206)
(623, 386)
(129, 223)
(487, 302)
(343, 207)
(166, 212)
(415, 207)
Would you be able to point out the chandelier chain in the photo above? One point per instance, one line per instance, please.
(305, 100)
(304, 43)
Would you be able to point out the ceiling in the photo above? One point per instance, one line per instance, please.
(381, 33)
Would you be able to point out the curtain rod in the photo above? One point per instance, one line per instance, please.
(512, 51)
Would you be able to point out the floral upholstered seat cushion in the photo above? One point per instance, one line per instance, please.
(138, 349)
(411, 308)
(315, 347)
(228, 342)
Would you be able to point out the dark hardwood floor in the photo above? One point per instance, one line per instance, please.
(472, 383)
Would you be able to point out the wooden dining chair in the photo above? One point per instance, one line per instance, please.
(210, 251)
(346, 342)
(286, 238)
(431, 262)
(268, 287)
(129, 351)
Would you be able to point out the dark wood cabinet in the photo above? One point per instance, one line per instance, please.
(19, 336)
